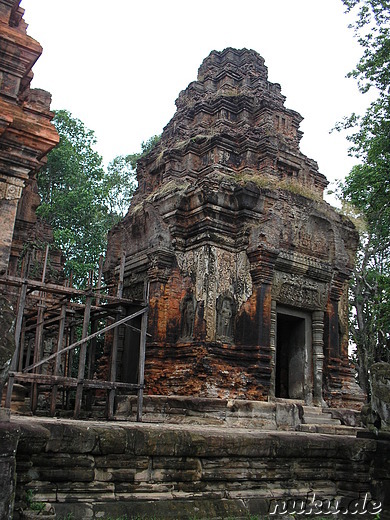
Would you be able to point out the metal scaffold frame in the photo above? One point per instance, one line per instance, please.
(59, 308)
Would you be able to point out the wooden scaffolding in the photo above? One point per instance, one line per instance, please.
(62, 312)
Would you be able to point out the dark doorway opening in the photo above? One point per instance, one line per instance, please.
(290, 356)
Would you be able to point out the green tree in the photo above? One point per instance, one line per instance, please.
(79, 199)
(120, 181)
(73, 195)
(367, 187)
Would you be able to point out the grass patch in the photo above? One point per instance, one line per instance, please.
(268, 182)
(32, 504)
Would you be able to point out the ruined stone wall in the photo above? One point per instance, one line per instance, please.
(96, 469)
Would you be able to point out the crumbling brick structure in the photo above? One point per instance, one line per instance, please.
(26, 136)
(247, 265)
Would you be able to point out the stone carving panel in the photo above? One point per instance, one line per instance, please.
(134, 286)
(10, 191)
(134, 292)
(13, 192)
(298, 291)
(211, 269)
(316, 238)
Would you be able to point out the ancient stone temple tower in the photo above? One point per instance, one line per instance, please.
(247, 265)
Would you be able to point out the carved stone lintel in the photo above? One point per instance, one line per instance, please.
(298, 291)
(135, 291)
(296, 263)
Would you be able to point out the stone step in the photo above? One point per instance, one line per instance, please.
(312, 409)
(320, 419)
(314, 415)
(328, 429)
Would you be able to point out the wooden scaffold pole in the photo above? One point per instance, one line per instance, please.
(142, 355)
(82, 356)
(114, 352)
(57, 359)
(39, 334)
(18, 343)
(56, 315)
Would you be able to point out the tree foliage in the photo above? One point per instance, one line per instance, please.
(72, 195)
(80, 200)
(120, 181)
(367, 187)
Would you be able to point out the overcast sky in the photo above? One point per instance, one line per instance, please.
(119, 65)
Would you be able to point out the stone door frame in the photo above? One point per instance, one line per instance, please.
(314, 351)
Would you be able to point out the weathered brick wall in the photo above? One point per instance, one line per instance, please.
(26, 132)
(103, 469)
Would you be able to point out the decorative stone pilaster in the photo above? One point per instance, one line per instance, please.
(338, 284)
(318, 355)
(158, 273)
(262, 272)
(10, 193)
(336, 290)
(272, 347)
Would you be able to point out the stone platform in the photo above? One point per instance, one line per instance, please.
(279, 414)
(105, 469)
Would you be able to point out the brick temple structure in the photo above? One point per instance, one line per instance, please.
(247, 265)
(26, 136)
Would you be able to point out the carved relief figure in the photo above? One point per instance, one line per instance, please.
(187, 318)
(225, 316)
